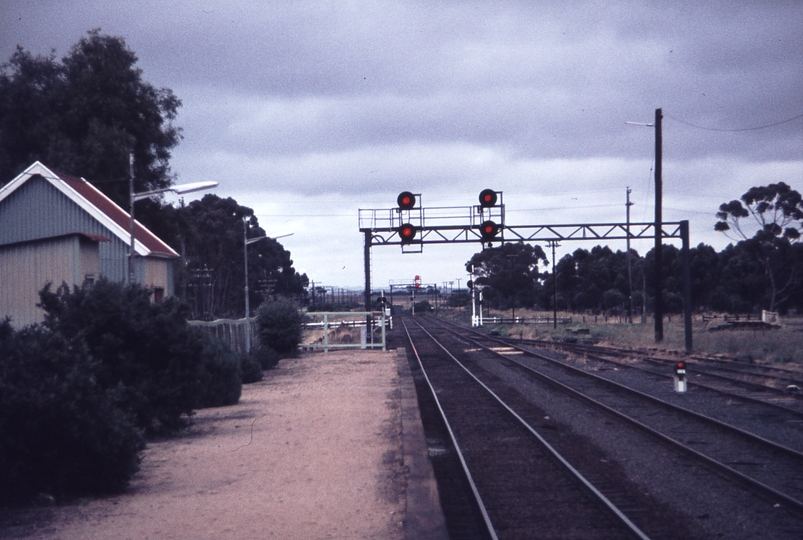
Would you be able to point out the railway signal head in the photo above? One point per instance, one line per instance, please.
(488, 230)
(406, 200)
(488, 198)
(680, 368)
(407, 233)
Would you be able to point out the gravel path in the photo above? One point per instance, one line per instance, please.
(312, 451)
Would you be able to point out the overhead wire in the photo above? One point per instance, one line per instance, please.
(765, 126)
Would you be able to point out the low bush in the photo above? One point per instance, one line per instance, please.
(63, 433)
(280, 325)
(250, 367)
(80, 392)
(266, 357)
(147, 349)
(220, 373)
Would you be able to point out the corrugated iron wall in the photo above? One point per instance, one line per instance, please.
(38, 210)
(26, 268)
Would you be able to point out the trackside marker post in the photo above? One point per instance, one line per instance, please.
(680, 377)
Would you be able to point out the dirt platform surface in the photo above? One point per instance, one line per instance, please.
(314, 450)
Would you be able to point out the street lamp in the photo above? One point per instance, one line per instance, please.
(134, 197)
(246, 242)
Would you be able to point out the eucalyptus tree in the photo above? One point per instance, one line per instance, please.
(777, 223)
(84, 114)
(209, 235)
(510, 273)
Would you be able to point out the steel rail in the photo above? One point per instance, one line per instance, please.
(699, 416)
(478, 499)
(577, 474)
(706, 370)
(795, 504)
(573, 348)
(723, 363)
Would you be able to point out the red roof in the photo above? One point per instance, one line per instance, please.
(142, 235)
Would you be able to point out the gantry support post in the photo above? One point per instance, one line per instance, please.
(367, 261)
(684, 235)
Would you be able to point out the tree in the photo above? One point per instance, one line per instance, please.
(510, 272)
(209, 235)
(777, 210)
(84, 114)
(587, 279)
(740, 284)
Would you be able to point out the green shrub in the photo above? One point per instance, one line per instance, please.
(280, 325)
(266, 357)
(63, 433)
(423, 306)
(250, 367)
(220, 375)
(146, 349)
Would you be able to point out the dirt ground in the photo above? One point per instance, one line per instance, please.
(312, 451)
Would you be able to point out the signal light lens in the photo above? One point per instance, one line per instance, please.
(487, 198)
(407, 233)
(406, 200)
(488, 230)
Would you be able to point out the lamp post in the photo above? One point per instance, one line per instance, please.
(134, 197)
(246, 242)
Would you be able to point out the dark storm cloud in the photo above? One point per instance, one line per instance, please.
(546, 80)
(315, 102)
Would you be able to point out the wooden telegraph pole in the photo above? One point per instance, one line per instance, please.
(659, 301)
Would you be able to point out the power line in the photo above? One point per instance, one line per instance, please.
(735, 130)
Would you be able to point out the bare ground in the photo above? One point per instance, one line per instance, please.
(312, 451)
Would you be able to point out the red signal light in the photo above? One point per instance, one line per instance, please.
(406, 200)
(487, 198)
(407, 233)
(680, 368)
(488, 230)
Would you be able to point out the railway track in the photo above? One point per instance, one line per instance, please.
(765, 403)
(732, 463)
(769, 384)
(519, 481)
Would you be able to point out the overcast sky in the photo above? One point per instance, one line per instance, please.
(309, 111)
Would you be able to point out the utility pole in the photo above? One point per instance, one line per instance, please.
(131, 251)
(659, 301)
(247, 301)
(628, 204)
(313, 295)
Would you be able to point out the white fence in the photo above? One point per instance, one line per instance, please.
(323, 330)
(336, 329)
(229, 331)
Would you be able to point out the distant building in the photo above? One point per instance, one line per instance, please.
(55, 228)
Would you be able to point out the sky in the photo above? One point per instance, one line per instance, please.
(308, 112)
